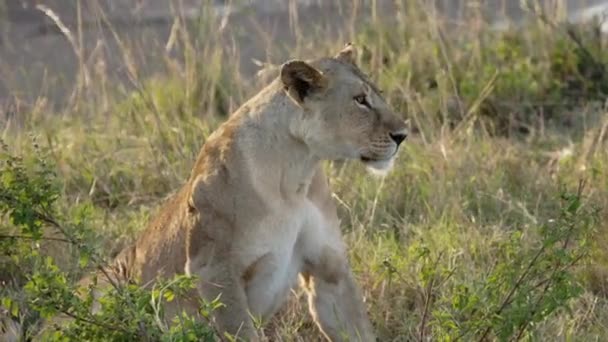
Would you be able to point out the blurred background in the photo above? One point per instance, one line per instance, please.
(37, 57)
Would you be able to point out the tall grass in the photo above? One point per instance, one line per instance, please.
(504, 121)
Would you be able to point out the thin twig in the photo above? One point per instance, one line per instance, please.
(83, 319)
(514, 289)
(90, 321)
(47, 218)
(428, 301)
(556, 269)
(24, 237)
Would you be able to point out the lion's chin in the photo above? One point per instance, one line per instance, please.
(378, 167)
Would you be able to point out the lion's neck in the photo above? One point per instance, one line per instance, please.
(277, 156)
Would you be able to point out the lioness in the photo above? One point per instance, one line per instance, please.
(257, 211)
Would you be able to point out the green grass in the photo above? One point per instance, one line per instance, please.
(503, 122)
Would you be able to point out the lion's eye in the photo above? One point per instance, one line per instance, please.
(362, 100)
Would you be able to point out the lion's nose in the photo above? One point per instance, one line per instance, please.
(398, 137)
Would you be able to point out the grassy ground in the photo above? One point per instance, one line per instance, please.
(504, 123)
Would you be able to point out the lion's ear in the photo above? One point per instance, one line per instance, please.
(348, 54)
(301, 79)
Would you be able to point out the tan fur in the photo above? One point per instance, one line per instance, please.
(257, 210)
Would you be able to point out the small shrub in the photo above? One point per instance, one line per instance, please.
(531, 279)
(29, 191)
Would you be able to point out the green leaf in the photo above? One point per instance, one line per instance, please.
(83, 261)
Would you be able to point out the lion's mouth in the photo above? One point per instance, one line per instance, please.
(369, 159)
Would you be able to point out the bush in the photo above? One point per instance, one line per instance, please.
(28, 194)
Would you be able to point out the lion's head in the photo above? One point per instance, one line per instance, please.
(345, 116)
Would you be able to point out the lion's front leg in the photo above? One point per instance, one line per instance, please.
(233, 316)
(335, 301)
